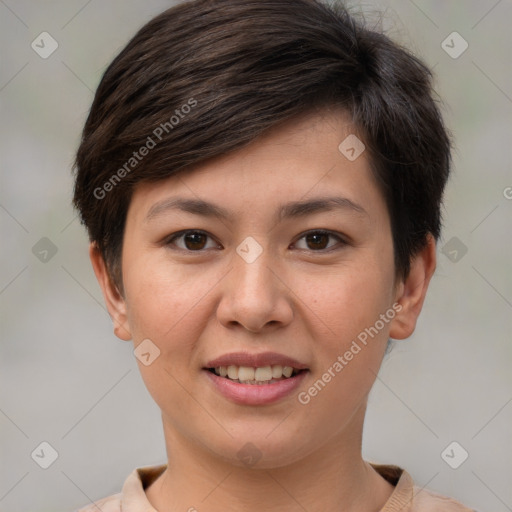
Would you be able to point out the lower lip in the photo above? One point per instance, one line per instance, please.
(255, 394)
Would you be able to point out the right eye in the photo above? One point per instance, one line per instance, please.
(192, 240)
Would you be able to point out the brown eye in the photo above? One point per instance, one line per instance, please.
(319, 240)
(191, 240)
(194, 241)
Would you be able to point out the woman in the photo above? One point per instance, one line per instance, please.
(261, 182)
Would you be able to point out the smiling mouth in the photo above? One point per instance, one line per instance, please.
(256, 376)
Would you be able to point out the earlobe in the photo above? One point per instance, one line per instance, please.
(411, 292)
(114, 301)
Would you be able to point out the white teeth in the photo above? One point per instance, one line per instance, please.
(245, 373)
(287, 371)
(233, 372)
(264, 373)
(277, 371)
(249, 375)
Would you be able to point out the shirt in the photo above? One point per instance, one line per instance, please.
(407, 497)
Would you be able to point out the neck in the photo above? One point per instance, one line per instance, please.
(332, 478)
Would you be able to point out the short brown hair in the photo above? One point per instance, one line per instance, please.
(210, 76)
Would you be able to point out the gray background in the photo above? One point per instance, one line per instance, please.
(66, 379)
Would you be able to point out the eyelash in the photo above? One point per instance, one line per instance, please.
(170, 240)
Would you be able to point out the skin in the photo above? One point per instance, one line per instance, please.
(304, 298)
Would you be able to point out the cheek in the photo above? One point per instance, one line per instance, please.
(348, 353)
(346, 307)
(167, 305)
(164, 299)
(347, 301)
(170, 305)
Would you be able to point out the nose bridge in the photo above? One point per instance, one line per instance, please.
(252, 268)
(254, 296)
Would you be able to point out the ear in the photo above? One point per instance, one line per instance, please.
(113, 299)
(411, 291)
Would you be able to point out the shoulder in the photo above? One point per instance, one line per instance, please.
(429, 501)
(408, 497)
(132, 496)
(108, 504)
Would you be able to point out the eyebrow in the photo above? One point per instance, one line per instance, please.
(293, 209)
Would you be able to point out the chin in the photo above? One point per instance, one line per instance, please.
(261, 451)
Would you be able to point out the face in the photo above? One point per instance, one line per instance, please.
(283, 259)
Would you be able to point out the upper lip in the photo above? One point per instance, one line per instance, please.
(255, 360)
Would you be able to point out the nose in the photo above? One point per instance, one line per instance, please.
(255, 295)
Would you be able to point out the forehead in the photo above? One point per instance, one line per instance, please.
(306, 157)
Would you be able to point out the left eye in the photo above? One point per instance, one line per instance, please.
(317, 240)
(195, 240)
